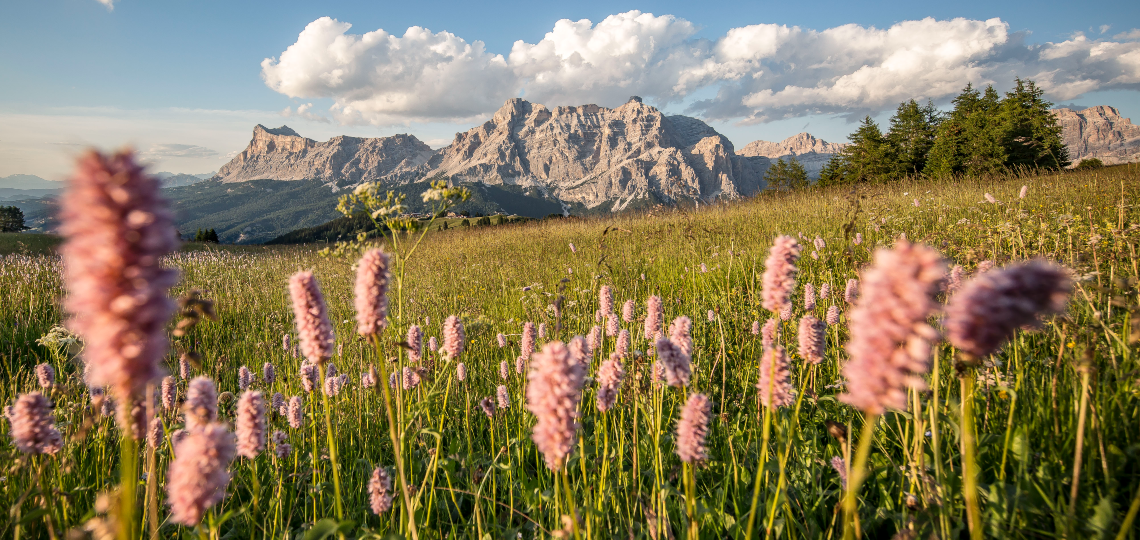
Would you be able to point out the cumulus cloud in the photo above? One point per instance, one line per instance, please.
(758, 72)
(160, 151)
(109, 3)
(304, 111)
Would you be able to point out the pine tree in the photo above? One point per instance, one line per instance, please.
(11, 219)
(212, 236)
(912, 132)
(786, 175)
(968, 141)
(199, 236)
(1029, 132)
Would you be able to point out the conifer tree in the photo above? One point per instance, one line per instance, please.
(912, 132)
(786, 175)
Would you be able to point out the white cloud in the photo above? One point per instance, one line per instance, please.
(304, 111)
(758, 73)
(109, 3)
(1130, 35)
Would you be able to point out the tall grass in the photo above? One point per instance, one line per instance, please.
(1056, 413)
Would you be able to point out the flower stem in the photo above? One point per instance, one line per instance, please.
(128, 477)
(393, 432)
(1080, 446)
(858, 474)
(332, 448)
(969, 458)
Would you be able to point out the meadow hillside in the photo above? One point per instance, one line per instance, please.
(1054, 415)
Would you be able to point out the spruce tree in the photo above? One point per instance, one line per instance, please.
(1029, 132)
(11, 219)
(786, 175)
(912, 132)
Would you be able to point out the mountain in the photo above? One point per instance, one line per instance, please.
(811, 152)
(27, 181)
(170, 179)
(1099, 132)
(282, 154)
(590, 157)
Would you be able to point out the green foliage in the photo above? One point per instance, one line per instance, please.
(11, 219)
(206, 235)
(1090, 163)
(786, 175)
(913, 128)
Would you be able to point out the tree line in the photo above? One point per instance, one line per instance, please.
(983, 133)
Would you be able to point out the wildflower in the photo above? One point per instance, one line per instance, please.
(411, 378)
(285, 342)
(622, 347)
(674, 362)
(245, 378)
(780, 274)
(268, 373)
(809, 297)
(281, 448)
(858, 238)
(503, 398)
(367, 380)
(45, 375)
(815, 255)
(916, 203)
(572, 248)
(278, 404)
(610, 376)
(704, 268)
(841, 469)
(504, 370)
(813, 339)
(613, 325)
(824, 291)
(541, 332)
(711, 316)
(117, 229)
(433, 345)
(653, 318)
(371, 293)
(33, 427)
(606, 300)
(627, 311)
(296, 412)
(770, 334)
(679, 334)
(169, 393)
(107, 407)
(201, 405)
(1023, 193)
(380, 491)
(527, 341)
(819, 243)
(502, 340)
(990, 199)
(461, 372)
(453, 337)
(890, 341)
(775, 384)
(832, 315)
(580, 351)
(755, 328)
(992, 306)
(554, 389)
(312, 319)
(595, 339)
(852, 291)
(985, 266)
(415, 341)
(330, 371)
(154, 433)
(955, 281)
(250, 426)
(693, 428)
(197, 478)
(488, 407)
(310, 376)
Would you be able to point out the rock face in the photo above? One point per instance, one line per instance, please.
(589, 155)
(282, 154)
(1099, 132)
(594, 155)
(811, 152)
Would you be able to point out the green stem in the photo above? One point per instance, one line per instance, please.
(1083, 413)
(332, 447)
(128, 477)
(969, 458)
(393, 432)
(759, 472)
(857, 476)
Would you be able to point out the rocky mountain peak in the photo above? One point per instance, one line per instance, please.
(1099, 132)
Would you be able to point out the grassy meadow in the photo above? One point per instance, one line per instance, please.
(1042, 433)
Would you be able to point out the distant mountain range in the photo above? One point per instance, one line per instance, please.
(528, 160)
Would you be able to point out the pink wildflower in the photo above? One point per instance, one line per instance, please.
(693, 429)
(197, 478)
(296, 412)
(653, 318)
(201, 406)
(312, 319)
(250, 425)
(812, 339)
(268, 373)
(169, 393)
(622, 347)
(775, 384)
(415, 344)
(832, 315)
(610, 376)
(770, 334)
(675, 363)
(453, 337)
(371, 293)
(380, 491)
(627, 311)
(502, 397)
(890, 341)
(45, 375)
(553, 391)
(851, 292)
(755, 328)
(679, 334)
(780, 270)
(33, 427)
(606, 300)
(809, 297)
(501, 340)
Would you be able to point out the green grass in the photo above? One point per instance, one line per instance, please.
(496, 278)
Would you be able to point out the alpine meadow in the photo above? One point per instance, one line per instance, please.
(912, 359)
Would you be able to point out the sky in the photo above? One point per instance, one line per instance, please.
(184, 82)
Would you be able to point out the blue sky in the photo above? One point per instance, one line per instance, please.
(184, 81)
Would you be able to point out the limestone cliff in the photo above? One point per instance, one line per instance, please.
(1099, 132)
(811, 152)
